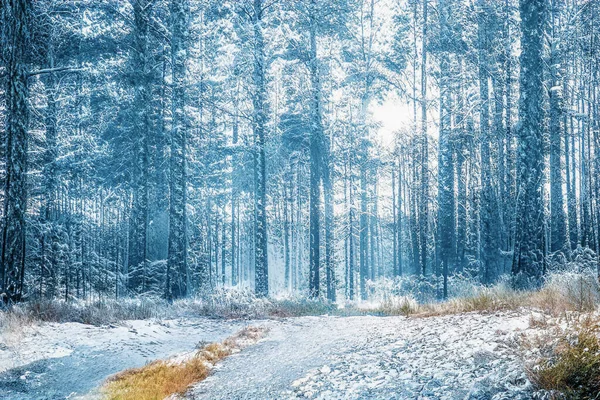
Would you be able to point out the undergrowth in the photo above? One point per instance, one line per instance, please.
(571, 370)
(562, 292)
(226, 304)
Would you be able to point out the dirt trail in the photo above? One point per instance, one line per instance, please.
(466, 356)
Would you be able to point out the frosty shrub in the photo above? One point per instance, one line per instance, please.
(578, 290)
(243, 303)
(91, 312)
(222, 303)
(574, 287)
(581, 259)
(399, 305)
(423, 289)
(572, 370)
(225, 303)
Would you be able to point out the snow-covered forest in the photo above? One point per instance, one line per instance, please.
(175, 147)
(401, 196)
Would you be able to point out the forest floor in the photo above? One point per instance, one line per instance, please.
(464, 356)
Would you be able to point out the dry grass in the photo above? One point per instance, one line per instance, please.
(398, 306)
(161, 379)
(227, 304)
(85, 312)
(571, 369)
(565, 294)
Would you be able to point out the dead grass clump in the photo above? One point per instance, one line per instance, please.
(157, 380)
(539, 321)
(161, 379)
(493, 299)
(497, 298)
(573, 291)
(14, 319)
(573, 369)
(403, 305)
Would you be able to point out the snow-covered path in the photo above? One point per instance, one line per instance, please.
(56, 361)
(467, 356)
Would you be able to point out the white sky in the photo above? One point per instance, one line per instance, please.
(393, 114)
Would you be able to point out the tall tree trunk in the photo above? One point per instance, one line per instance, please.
(235, 194)
(570, 167)
(327, 169)
(509, 204)
(286, 230)
(500, 136)
(446, 203)
(261, 262)
(400, 219)
(351, 239)
(558, 226)
(141, 129)
(49, 180)
(461, 176)
(394, 221)
(177, 268)
(529, 258)
(424, 190)
(316, 138)
(489, 203)
(15, 203)
(364, 224)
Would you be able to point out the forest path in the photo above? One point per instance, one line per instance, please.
(70, 360)
(467, 356)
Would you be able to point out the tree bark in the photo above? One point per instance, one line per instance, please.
(177, 267)
(17, 117)
(261, 262)
(529, 258)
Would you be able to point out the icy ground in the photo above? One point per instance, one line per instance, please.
(468, 356)
(69, 360)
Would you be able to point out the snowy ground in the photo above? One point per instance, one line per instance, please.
(468, 356)
(56, 361)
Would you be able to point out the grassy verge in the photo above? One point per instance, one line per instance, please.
(226, 304)
(564, 294)
(569, 364)
(161, 379)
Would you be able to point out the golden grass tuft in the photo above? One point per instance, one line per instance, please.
(491, 299)
(573, 368)
(157, 380)
(164, 378)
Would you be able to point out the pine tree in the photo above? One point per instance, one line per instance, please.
(177, 265)
(138, 236)
(558, 226)
(529, 258)
(261, 262)
(490, 216)
(15, 20)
